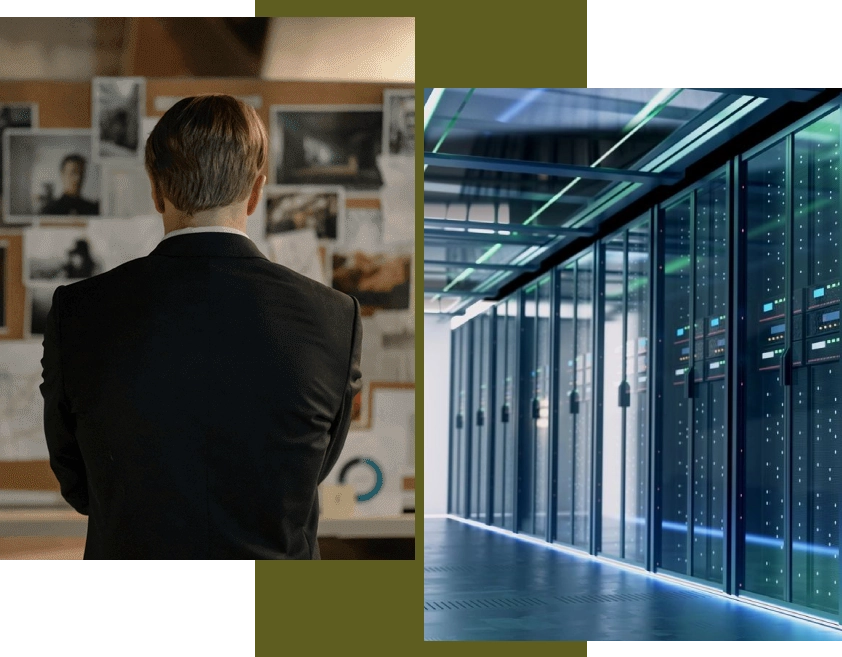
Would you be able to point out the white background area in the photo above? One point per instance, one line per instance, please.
(436, 412)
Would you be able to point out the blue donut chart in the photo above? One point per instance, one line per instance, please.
(378, 484)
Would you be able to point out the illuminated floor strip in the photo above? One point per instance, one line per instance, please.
(675, 581)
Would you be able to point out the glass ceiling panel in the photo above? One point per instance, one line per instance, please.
(612, 130)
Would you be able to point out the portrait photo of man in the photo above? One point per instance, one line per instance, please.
(54, 174)
(72, 176)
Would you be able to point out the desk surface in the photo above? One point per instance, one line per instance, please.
(385, 527)
(66, 522)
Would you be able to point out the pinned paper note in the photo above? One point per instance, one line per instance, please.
(298, 250)
(338, 501)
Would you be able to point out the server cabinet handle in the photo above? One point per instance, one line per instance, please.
(460, 422)
(786, 368)
(688, 383)
(624, 395)
(504, 413)
(574, 402)
(480, 417)
(536, 408)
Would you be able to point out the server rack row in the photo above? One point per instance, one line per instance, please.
(672, 395)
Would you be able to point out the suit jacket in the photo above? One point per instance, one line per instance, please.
(195, 398)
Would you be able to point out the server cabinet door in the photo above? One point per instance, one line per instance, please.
(676, 373)
(709, 404)
(637, 378)
(583, 402)
(565, 452)
(613, 397)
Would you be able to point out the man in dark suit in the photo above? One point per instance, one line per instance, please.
(196, 397)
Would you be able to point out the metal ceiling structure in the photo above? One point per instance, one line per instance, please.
(513, 175)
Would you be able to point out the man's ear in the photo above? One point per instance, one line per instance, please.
(157, 197)
(254, 197)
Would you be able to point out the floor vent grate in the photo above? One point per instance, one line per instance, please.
(482, 603)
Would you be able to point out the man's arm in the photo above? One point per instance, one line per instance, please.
(339, 430)
(59, 423)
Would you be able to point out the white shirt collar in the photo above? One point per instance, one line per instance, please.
(204, 229)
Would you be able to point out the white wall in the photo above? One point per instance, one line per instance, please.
(436, 412)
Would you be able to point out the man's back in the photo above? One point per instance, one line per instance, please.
(209, 392)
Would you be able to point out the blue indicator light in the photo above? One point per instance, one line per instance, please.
(714, 322)
(778, 328)
(767, 307)
(829, 317)
(685, 350)
(818, 292)
(680, 331)
(720, 343)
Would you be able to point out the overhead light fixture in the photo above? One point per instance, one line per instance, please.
(431, 104)
(663, 97)
(519, 106)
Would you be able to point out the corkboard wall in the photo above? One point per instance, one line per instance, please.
(68, 105)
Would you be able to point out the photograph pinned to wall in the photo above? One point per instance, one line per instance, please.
(388, 346)
(393, 405)
(291, 208)
(299, 250)
(379, 281)
(116, 241)
(54, 175)
(326, 145)
(126, 191)
(399, 122)
(256, 229)
(14, 115)
(40, 302)
(363, 224)
(397, 199)
(163, 103)
(4, 328)
(21, 403)
(59, 255)
(118, 106)
(360, 417)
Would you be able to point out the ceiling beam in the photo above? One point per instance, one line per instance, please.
(446, 160)
(490, 189)
(464, 264)
(438, 235)
(794, 95)
(548, 231)
(458, 293)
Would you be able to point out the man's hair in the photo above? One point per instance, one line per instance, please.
(73, 158)
(206, 152)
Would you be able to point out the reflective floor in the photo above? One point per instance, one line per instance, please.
(484, 586)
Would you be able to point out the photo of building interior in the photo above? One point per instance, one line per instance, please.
(633, 385)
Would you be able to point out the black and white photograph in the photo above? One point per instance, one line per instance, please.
(117, 241)
(327, 145)
(118, 106)
(399, 122)
(3, 278)
(126, 191)
(363, 228)
(40, 301)
(379, 281)
(49, 173)
(299, 250)
(59, 255)
(15, 115)
(294, 208)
